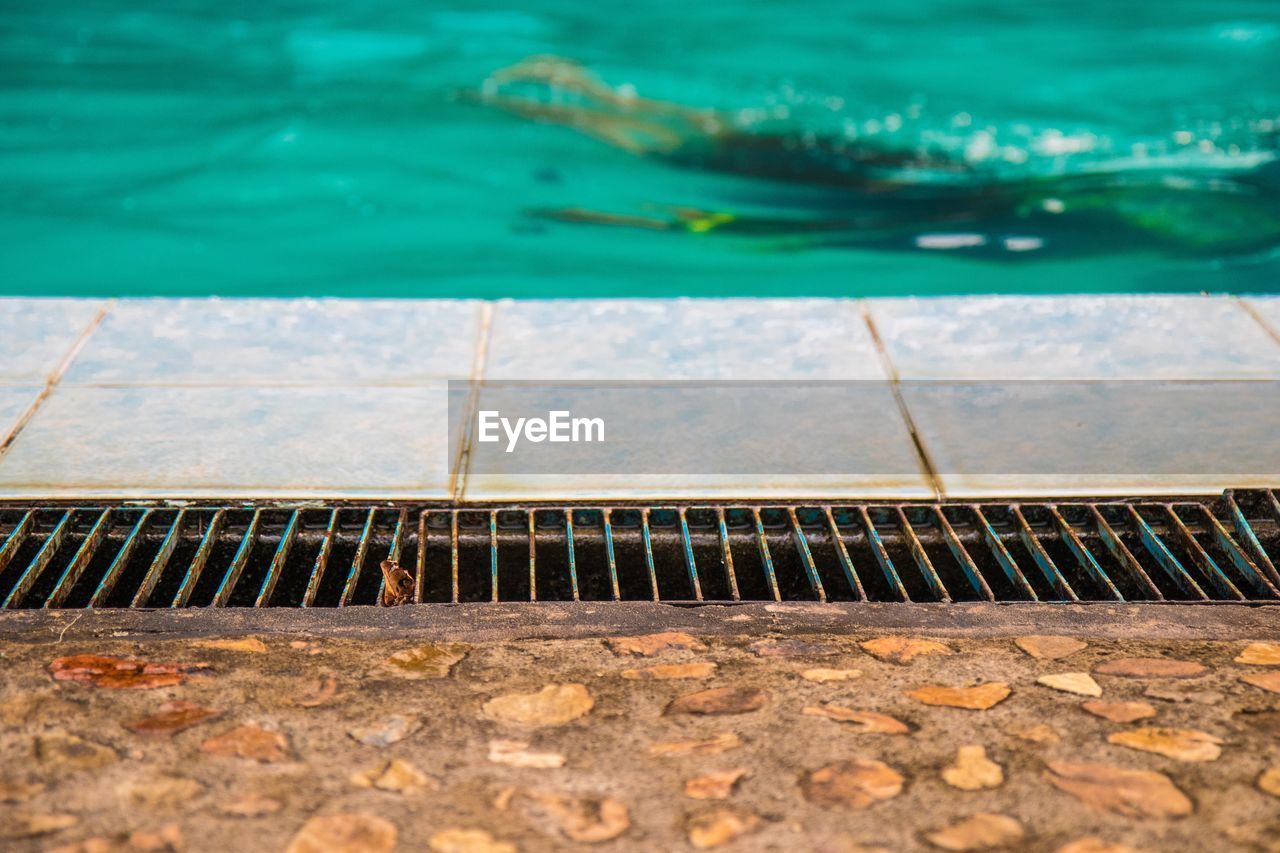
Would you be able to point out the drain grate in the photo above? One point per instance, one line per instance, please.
(1216, 549)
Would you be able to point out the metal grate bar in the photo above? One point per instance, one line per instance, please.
(241, 559)
(161, 560)
(1208, 567)
(1087, 562)
(766, 558)
(611, 556)
(921, 557)
(961, 554)
(882, 557)
(1042, 559)
(203, 552)
(278, 561)
(1164, 557)
(842, 553)
(727, 551)
(1007, 564)
(42, 559)
(80, 561)
(271, 556)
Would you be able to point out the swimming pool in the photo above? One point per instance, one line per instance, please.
(332, 148)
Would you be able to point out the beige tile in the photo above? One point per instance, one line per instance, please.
(243, 441)
(37, 334)
(663, 339)
(1075, 337)
(265, 341)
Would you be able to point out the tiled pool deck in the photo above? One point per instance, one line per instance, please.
(346, 398)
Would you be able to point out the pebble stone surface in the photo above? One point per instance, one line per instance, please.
(666, 741)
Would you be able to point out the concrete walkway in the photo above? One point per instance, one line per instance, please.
(309, 399)
(642, 728)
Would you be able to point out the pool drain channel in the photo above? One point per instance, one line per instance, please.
(1220, 549)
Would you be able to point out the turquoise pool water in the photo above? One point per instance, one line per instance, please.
(290, 148)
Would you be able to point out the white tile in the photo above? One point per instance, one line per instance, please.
(1075, 337)
(1097, 438)
(274, 441)
(674, 440)
(264, 341)
(37, 334)
(14, 400)
(636, 339)
(1267, 308)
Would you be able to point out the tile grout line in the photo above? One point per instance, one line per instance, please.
(56, 375)
(1258, 318)
(895, 385)
(458, 476)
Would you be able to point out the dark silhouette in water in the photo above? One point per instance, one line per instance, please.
(901, 200)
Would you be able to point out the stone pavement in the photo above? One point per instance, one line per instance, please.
(822, 741)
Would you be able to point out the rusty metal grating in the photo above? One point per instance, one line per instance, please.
(1217, 549)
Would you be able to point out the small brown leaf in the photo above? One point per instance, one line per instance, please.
(1260, 654)
(395, 729)
(344, 833)
(1040, 733)
(774, 648)
(863, 721)
(162, 790)
(854, 784)
(822, 676)
(589, 820)
(1092, 844)
(1269, 781)
(1079, 683)
(714, 786)
(669, 671)
(19, 792)
(398, 775)
(1182, 692)
(903, 649)
(244, 644)
(978, 698)
(468, 841)
(515, 753)
(1129, 793)
(1050, 648)
(120, 673)
(430, 660)
(166, 839)
(33, 824)
(1120, 712)
(1269, 681)
(250, 742)
(173, 717)
(653, 644)
(707, 746)
(972, 770)
(719, 700)
(66, 750)
(553, 705)
(1182, 744)
(981, 831)
(721, 826)
(1151, 668)
(252, 805)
